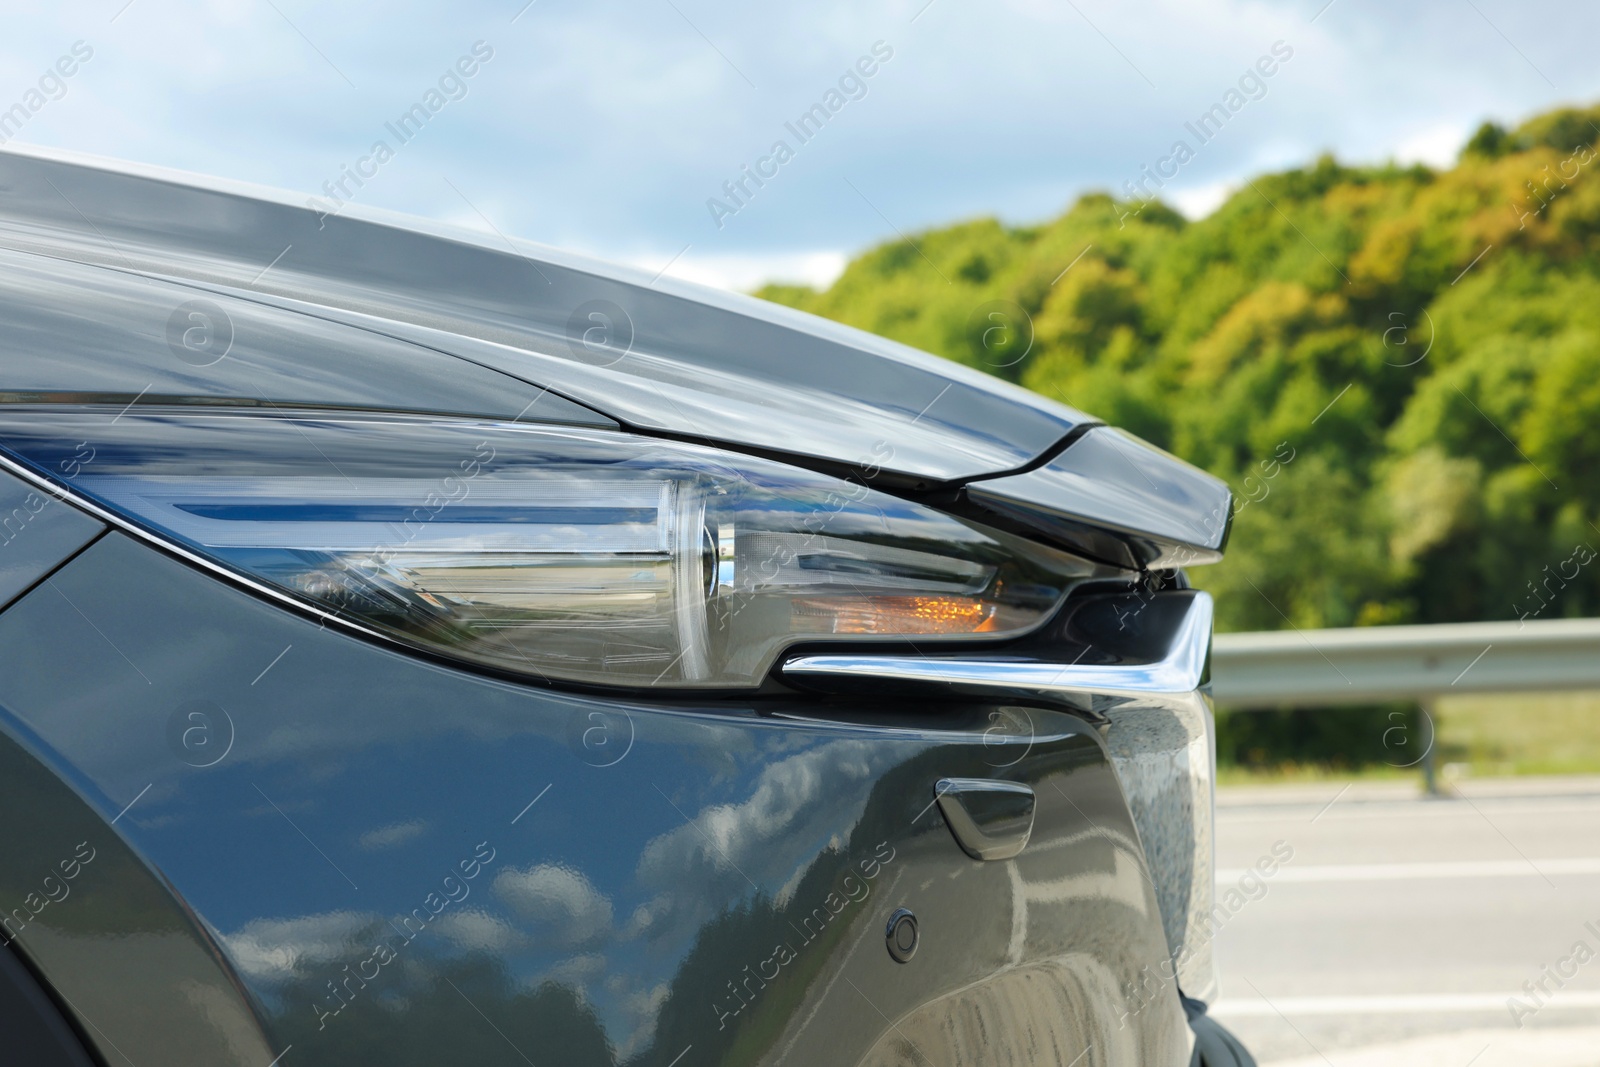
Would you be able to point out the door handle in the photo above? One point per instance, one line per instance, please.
(990, 820)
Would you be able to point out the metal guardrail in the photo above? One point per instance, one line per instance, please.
(1352, 666)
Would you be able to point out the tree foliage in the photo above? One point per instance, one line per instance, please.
(1425, 344)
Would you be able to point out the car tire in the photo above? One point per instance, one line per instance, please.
(1214, 1046)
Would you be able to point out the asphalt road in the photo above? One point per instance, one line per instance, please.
(1401, 927)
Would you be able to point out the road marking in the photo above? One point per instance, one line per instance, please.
(1563, 1046)
(1399, 1004)
(1359, 809)
(1332, 802)
(1409, 872)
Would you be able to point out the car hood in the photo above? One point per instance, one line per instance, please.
(652, 354)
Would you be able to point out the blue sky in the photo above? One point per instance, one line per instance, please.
(606, 126)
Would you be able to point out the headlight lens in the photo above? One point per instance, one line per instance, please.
(560, 553)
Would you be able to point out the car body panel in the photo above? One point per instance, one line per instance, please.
(36, 1031)
(557, 878)
(88, 333)
(130, 964)
(37, 533)
(670, 357)
(582, 341)
(1108, 482)
(308, 845)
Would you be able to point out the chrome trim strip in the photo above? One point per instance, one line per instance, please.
(1181, 670)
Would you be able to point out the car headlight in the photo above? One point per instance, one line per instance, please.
(561, 553)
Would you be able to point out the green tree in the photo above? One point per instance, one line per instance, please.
(1425, 343)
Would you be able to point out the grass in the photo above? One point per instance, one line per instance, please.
(1291, 773)
(1531, 733)
(1479, 736)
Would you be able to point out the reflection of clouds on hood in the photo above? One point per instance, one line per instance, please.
(391, 836)
(643, 916)
(575, 972)
(563, 906)
(475, 930)
(278, 949)
(639, 1011)
(798, 803)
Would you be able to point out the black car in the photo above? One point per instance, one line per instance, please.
(424, 649)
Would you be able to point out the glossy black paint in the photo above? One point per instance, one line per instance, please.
(670, 357)
(35, 1031)
(75, 332)
(555, 878)
(1214, 1045)
(291, 845)
(451, 322)
(37, 533)
(129, 962)
(1119, 499)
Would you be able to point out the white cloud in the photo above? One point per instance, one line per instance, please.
(1437, 146)
(575, 971)
(276, 949)
(605, 127)
(640, 1009)
(1198, 201)
(745, 272)
(765, 838)
(475, 930)
(391, 836)
(563, 907)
